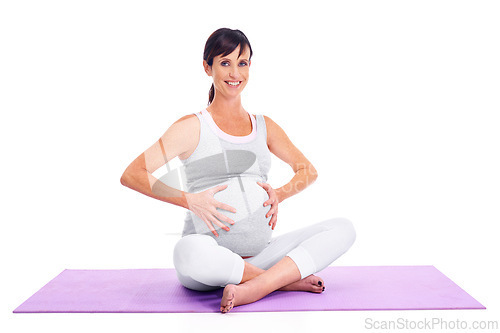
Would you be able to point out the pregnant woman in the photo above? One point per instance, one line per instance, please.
(226, 154)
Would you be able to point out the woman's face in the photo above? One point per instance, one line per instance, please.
(230, 73)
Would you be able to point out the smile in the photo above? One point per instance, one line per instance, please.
(233, 84)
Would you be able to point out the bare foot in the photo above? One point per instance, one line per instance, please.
(310, 283)
(234, 295)
(228, 298)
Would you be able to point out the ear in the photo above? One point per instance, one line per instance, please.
(207, 67)
(249, 63)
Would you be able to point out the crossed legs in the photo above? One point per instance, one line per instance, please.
(310, 283)
(287, 263)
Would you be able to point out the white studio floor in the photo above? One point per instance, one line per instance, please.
(478, 279)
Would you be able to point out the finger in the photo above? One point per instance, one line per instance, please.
(219, 188)
(219, 223)
(211, 227)
(264, 185)
(274, 213)
(225, 206)
(223, 217)
(210, 221)
(269, 201)
(270, 212)
(274, 220)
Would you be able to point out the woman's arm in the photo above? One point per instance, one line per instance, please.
(180, 139)
(176, 141)
(281, 146)
(138, 178)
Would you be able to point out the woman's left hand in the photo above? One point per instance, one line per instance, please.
(273, 201)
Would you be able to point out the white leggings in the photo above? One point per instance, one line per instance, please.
(202, 264)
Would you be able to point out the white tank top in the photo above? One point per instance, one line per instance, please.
(239, 161)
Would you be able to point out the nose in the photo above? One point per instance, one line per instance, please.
(234, 72)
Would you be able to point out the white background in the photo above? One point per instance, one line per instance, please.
(396, 103)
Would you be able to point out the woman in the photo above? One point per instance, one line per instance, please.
(226, 152)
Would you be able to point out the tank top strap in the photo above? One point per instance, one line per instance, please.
(207, 131)
(261, 126)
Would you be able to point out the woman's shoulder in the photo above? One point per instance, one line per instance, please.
(191, 117)
(274, 131)
(184, 133)
(187, 122)
(183, 128)
(270, 124)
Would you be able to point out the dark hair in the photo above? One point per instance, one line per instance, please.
(222, 42)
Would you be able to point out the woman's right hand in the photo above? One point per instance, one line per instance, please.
(204, 205)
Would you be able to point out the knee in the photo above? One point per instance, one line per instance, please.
(189, 250)
(343, 227)
(348, 230)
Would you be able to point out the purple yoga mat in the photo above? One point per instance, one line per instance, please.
(158, 290)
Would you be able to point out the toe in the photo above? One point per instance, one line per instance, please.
(227, 301)
(226, 309)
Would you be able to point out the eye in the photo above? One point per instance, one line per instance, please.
(224, 63)
(243, 63)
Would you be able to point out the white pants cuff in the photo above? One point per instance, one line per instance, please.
(237, 272)
(303, 261)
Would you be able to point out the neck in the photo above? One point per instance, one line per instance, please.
(227, 108)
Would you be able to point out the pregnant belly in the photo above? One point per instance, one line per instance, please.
(251, 231)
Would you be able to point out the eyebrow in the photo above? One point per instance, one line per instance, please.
(230, 59)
